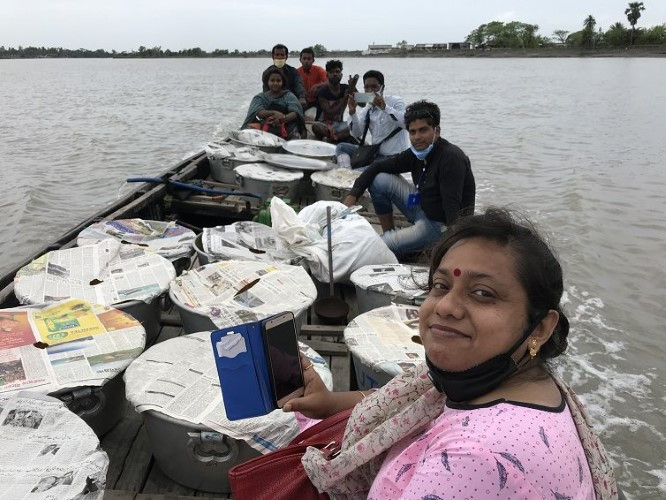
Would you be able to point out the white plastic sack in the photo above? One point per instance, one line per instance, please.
(355, 242)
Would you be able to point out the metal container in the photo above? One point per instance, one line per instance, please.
(222, 168)
(194, 321)
(366, 377)
(380, 285)
(100, 407)
(203, 257)
(335, 184)
(269, 181)
(148, 314)
(194, 455)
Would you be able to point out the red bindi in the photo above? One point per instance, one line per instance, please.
(456, 272)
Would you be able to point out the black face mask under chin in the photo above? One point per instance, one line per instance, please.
(480, 379)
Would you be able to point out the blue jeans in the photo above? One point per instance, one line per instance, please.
(348, 148)
(387, 190)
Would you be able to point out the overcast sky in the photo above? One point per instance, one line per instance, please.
(259, 24)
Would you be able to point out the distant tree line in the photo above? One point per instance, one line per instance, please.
(518, 35)
(143, 52)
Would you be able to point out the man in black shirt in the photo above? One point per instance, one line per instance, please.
(331, 102)
(443, 190)
(294, 82)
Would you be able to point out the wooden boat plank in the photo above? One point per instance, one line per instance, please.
(139, 460)
(160, 483)
(117, 443)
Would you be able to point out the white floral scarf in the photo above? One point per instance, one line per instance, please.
(404, 407)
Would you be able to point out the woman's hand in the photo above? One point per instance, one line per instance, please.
(278, 117)
(317, 402)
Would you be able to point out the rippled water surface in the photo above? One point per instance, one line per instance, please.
(578, 145)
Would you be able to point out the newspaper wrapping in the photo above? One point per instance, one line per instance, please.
(246, 240)
(107, 273)
(382, 339)
(400, 282)
(78, 344)
(234, 292)
(164, 238)
(179, 378)
(47, 452)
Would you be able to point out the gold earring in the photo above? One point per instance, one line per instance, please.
(533, 349)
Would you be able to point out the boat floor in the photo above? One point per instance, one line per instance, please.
(134, 474)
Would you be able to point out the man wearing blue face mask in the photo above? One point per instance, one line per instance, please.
(444, 187)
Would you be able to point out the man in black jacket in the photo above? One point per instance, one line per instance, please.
(294, 82)
(443, 190)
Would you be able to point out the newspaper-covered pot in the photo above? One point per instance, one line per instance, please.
(259, 139)
(72, 350)
(382, 344)
(167, 239)
(268, 181)
(47, 452)
(224, 157)
(232, 292)
(379, 285)
(335, 184)
(174, 384)
(244, 240)
(108, 273)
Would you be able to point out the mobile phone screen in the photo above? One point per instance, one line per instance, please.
(283, 358)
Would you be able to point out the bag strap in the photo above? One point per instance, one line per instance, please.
(393, 132)
(366, 128)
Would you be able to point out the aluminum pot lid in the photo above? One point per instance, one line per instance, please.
(342, 178)
(80, 344)
(108, 272)
(392, 279)
(253, 137)
(267, 173)
(168, 239)
(382, 339)
(310, 148)
(178, 378)
(297, 162)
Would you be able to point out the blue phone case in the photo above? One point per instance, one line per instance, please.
(242, 368)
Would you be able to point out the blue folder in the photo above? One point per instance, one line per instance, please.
(242, 368)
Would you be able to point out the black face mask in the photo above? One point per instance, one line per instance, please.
(480, 379)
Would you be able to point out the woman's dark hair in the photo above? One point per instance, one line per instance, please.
(272, 70)
(537, 268)
(373, 73)
(422, 110)
(332, 64)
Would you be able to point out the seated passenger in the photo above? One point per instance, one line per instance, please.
(484, 416)
(277, 110)
(443, 188)
(383, 116)
(314, 77)
(292, 77)
(331, 101)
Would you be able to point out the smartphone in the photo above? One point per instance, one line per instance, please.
(284, 361)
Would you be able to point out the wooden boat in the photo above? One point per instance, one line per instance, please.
(186, 194)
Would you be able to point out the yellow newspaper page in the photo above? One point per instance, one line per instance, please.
(67, 321)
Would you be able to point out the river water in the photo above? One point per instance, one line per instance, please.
(578, 145)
